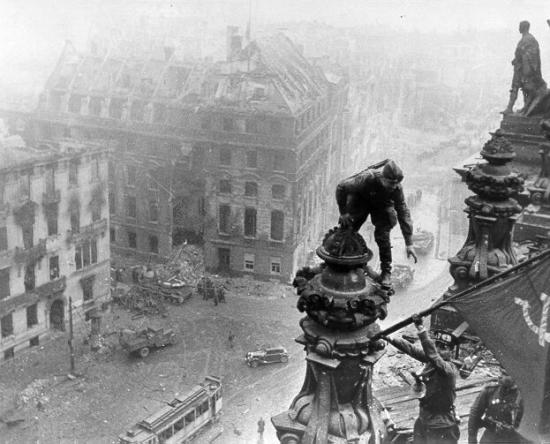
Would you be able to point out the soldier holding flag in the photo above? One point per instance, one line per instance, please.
(437, 422)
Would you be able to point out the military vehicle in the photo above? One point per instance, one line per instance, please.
(143, 341)
(423, 241)
(402, 275)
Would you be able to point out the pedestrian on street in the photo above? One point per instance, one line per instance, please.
(437, 422)
(498, 408)
(231, 338)
(261, 427)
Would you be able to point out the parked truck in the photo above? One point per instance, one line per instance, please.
(141, 342)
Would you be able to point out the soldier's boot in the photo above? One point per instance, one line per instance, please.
(513, 97)
(385, 275)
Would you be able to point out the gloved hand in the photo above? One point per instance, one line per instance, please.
(346, 220)
(411, 253)
(418, 321)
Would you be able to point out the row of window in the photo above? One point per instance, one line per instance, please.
(85, 255)
(132, 240)
(9, 353)
(251, 126)
(153, 182)
(250, 222)
(174, 116)
(188, 420)
(131, 207)
(250, 263)
(6, 322)
(251, 189)
(309, 116)
(277, 160)
(52, 226)
(24, 186)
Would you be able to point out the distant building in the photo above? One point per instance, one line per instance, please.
(53, 239)
(242, 155)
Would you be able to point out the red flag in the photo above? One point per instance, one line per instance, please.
(511, 315)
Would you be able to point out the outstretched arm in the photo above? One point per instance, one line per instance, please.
(408, 348)
(403, 215)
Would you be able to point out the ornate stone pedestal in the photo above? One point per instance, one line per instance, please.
(335, 404)
(492, 211)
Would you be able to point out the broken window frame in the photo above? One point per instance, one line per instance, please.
(4, 283)
(53, 264)
(277, 225)
(29, 279)
(252, 159)
(224, 186)
(225, 156)
(278, 191)
(250, 222)
(73, 173)
(224, 218)
(154, 244)
(32, 315)
(131, 207)
(131, 174)
(6, 325)
(85, 254)
(251, 189)
(153, 210)
(132, 240)
(278, 161)
(4, 238)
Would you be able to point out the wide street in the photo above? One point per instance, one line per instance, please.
(115, 390)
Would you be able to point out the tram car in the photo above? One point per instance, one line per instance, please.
(182, 418)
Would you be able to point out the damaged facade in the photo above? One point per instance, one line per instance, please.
(239, 154)
(53, 240)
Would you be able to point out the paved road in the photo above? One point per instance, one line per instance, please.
(116, 391)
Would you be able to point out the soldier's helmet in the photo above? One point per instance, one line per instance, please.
(392, 171)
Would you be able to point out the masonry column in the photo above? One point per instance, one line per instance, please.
(342, 304)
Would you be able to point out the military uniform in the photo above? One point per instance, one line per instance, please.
(499, 411)
(437, 422)
(364, 194)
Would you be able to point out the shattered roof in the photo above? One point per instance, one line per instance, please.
(117, 74)
(268, 75)
(297, 80)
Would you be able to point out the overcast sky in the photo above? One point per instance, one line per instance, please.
(34, 30)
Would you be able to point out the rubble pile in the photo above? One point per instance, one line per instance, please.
(34, 393)
(186, 265)
(170, 282)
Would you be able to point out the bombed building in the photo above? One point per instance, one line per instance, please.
(53, 239)
(234, 154)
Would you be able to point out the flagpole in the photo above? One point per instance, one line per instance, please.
(399, 325)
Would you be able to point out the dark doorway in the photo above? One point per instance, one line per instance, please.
(224, 259)
(57, 315)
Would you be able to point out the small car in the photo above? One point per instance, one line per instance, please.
(267, 356)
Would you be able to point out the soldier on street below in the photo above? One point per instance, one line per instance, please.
(498, 408)
(379, 194)
(437, 422)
